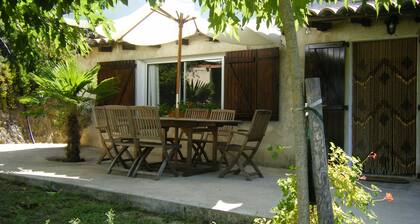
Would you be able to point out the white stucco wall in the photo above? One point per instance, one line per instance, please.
(278, 133)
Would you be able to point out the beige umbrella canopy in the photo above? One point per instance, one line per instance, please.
(164, 24)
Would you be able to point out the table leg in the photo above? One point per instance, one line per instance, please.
(214, 132)
(178, 148)
(189, 147)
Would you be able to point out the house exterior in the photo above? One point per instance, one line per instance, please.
(368, 67)
(136, 68)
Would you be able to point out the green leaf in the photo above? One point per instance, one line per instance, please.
(28, 100)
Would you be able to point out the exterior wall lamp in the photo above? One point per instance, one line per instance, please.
(391, 24)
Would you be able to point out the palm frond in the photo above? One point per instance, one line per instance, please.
(68, 84)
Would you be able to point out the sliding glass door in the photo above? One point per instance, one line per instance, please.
(201, 84)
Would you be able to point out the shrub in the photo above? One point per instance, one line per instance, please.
(349, 195)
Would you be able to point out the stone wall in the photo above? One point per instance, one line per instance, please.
(10, 131)
(14, 129)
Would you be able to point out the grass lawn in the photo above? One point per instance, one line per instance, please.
(21, 203)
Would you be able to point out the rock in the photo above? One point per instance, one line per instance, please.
(10, 132)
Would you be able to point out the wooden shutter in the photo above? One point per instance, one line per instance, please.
(240, 85)
(124, 71)
(251, 82)
(267, 81)
(326, 61)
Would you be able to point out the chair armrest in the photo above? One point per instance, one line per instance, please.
(242, 130)
(240, 133)
(101, 129)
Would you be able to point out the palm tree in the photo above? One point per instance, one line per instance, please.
(71, 90)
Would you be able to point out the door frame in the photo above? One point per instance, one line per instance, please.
(348, 99)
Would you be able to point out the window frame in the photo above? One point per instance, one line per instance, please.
(185, 60)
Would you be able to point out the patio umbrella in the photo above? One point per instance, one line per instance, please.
(176, 20)
(165, 24)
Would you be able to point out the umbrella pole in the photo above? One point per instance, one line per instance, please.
(178, 71)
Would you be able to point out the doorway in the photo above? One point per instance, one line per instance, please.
(384, 105)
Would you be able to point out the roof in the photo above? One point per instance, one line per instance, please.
(357, 8)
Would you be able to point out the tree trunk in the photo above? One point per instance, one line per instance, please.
(73, 138)
(297, 81)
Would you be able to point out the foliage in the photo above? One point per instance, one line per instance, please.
(164, 109)
(66, 86)
(72, 92)
(167, 84)
(20, 203)
(199, 92)
(35, 32)
(349, 194)
(31, 28)
(6, 86)
(224, 14)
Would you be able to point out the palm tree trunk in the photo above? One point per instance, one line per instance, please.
(73, 138)
(297, 81)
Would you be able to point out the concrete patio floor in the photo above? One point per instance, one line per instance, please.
(231, 199)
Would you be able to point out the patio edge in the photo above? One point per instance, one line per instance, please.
(144, 203)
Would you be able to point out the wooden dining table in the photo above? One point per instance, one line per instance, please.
(189, 126)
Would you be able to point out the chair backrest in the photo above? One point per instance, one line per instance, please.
(120, 122)
(196, 113)
(100, 117)
(259, 125)
(223, 115)
(146, 122)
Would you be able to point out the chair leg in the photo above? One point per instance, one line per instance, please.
(201, 147)
(224, 157)
(229, 168)
(131, 157)
(142, 160)
(203, 152)
(117, 159)
(102, 157)
(250, 162)
(196, 156)
(170, 165)
(124, 150)
(242, 168)
(166, 162)
(136, 161)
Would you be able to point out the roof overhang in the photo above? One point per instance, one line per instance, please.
(322, 16)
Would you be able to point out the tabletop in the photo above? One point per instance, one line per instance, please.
(191, 122)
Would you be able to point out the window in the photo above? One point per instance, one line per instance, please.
(201, 83)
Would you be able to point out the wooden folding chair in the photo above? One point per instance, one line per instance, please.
(101, 124)
(222, 133)
(248, 148)
(149, 133)
(121, 131)
(192, 113)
